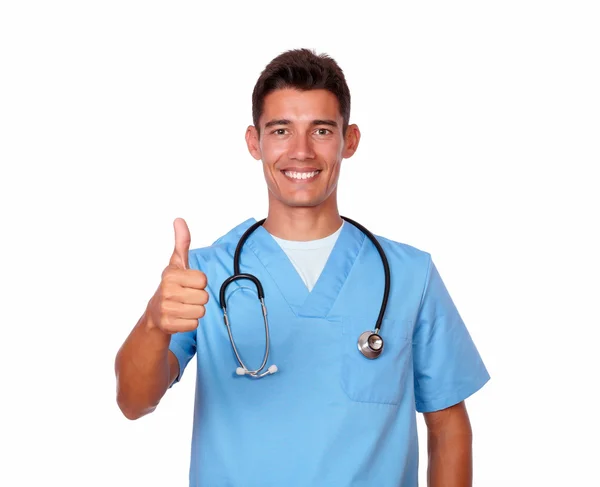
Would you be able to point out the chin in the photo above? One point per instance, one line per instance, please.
(301, 202)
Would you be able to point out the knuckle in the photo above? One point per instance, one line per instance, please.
(199, 279)
(167, 273)
(173, 276)
(202, 297)
(160, 293)
(169, 291)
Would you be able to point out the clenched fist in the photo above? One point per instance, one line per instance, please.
(179, 301)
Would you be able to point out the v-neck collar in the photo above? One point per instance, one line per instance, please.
(319, 301)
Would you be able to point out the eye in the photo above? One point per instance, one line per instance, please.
(279, 132)
(322, 131)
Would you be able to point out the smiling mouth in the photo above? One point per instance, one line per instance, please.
(301, 176)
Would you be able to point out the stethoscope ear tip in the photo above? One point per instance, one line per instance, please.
(242, 371)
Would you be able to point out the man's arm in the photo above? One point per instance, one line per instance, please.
(145, 368)
(449, 447)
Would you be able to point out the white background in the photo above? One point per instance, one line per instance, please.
(480, 125)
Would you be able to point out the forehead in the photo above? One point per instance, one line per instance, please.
(296, 105)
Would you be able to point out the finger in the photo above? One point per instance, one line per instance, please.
(180, 325)
(175, 310)
(185, 278)
(183, 239)
(187, 295)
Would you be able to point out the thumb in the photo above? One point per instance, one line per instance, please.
(182, 244)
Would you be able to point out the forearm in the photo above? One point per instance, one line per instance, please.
(450, 459)
(142, 369)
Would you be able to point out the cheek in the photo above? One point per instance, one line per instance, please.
(269, 170)
(271, 151)
(331, 151)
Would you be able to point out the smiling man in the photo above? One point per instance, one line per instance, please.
(362, 329)
(301, 138)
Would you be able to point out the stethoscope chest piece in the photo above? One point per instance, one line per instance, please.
(370, 344)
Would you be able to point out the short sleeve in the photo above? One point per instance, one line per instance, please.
(183, 345)
(447, 365)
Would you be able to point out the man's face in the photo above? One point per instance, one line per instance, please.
(301, 145)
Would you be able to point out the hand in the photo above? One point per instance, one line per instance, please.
(179, 301)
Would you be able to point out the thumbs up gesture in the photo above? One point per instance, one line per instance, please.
(179, 301)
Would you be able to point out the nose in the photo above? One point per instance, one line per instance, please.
(301, 147)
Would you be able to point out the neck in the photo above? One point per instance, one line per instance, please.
(303, 223)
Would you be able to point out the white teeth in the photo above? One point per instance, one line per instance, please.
(300, 175)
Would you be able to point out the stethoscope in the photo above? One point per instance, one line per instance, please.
(370, 343)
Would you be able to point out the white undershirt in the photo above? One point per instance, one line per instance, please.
(309, 258)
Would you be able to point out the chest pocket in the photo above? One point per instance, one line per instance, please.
(382, 380)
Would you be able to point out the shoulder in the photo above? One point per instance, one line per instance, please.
(405, 253)
(224, 245)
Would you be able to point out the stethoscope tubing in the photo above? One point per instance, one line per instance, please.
(386, 272)
(363, 340)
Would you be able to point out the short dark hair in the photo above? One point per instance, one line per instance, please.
(302, 69)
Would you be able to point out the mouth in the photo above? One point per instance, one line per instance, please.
(304, 175)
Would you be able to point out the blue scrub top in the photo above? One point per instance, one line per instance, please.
(330, 417)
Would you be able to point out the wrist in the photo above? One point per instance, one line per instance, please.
(150, 327)
(147, 321)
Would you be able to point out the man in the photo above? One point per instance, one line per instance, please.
(330, 416)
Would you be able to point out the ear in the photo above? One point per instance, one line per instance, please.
(351, 140)
(253, 143)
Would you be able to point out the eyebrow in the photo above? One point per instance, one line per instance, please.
(271, 123)
(331, 123)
